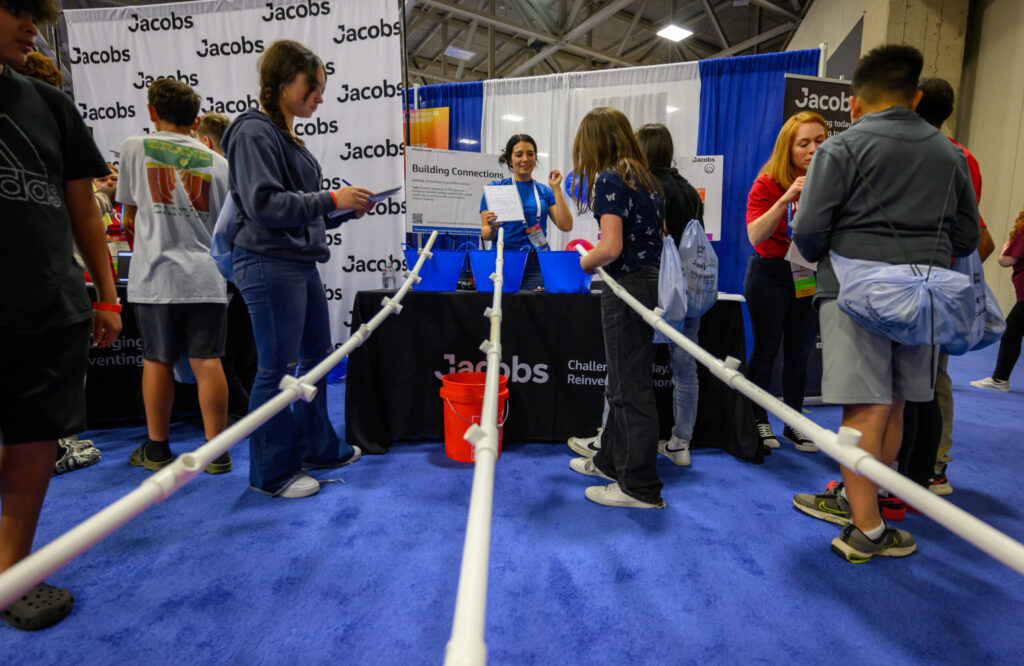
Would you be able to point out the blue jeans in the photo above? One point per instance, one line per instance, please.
(288, 309)
(531, 273)
(684, 380)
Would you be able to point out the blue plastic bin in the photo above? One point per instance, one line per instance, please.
(483, 262)
(439, 273)
(562, 272)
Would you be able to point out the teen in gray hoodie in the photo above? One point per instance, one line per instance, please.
(282, 235)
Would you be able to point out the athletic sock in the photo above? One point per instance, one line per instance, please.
(876, 533)
(155, 447)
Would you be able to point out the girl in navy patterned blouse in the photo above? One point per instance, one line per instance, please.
(627, 202)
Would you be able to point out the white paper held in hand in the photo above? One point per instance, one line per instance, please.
(504, 201)
(376, 198)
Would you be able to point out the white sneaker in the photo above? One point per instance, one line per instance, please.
(357, 453)
(765, 434)
(675, 449)
(585, 465)
(303, 485)
(612, 495)
(586, 446)
(993, 384)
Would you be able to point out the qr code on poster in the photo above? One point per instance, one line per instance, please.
(417, 218)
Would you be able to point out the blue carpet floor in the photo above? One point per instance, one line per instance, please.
(366, 571)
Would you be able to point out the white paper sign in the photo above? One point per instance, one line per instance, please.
(704, 172)
(504, 201)
(443, 189)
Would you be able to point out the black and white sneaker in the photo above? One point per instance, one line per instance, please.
(586, 446)
(801, 441)
(765, 434)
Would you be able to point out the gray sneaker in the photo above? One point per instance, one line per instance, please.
(829, 505)
(612, 495)
(586, 446)
(854, 546)
(584, 465)
(675, 449)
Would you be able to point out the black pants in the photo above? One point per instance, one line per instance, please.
(629, 444)
(1009, 346)
(778, 317)
(922, 430)
(239, 359)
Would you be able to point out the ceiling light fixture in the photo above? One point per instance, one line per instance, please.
(459, 54)
(674, 33)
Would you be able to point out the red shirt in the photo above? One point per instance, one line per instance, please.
(763, 195)
(1016, 249)
(972, 166)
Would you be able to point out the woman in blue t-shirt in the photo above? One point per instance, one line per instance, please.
(520, 156)
(627, 202)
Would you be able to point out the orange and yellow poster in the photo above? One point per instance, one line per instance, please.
(428, 128)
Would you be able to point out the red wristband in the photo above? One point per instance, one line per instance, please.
(107, 307)
(335, 197)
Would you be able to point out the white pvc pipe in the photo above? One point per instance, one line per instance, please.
(822, 59)
(841, 447)
(30, 571)
(467, 647)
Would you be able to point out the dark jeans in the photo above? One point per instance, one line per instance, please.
(239, 359)
(532, 277)
(1009, 346)
(289, 320)
(922, 430)
(778, 317)
(629, 443)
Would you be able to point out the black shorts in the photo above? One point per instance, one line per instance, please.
(42, 384)
(197, 330)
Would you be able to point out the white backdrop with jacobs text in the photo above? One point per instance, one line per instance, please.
(214, 46)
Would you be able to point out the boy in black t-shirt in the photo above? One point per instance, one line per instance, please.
(46, 319)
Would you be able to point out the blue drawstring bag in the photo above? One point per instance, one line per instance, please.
(700, 266)
(909, 304)
(988, 324)
(671, 288)
(224, 232)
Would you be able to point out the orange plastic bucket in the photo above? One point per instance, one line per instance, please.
(463, 395)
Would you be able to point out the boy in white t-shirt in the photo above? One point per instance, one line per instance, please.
(173, 187)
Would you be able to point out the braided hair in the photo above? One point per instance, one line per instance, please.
(280, 64)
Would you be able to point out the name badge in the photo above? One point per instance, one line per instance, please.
(804, 281)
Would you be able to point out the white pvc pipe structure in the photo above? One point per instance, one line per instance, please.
(30, 571)
(841, 447)
(466, 647)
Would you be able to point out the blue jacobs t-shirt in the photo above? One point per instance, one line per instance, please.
(642, 216)
(515, 232)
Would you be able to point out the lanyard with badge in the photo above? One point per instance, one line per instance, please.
(804, 282)
(535, 232)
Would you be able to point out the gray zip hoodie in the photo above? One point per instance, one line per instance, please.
(910, 166)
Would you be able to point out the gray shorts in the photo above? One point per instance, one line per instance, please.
(171, 330)
(863, 368)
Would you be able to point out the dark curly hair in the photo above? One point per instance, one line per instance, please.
(280, 64)
(505, 159)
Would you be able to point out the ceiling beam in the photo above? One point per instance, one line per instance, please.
(759, 39)
(522, 30)
(775, 9)
(709, 10)
(575, 33)
(632, 26)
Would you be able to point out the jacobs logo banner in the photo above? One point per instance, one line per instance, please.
(214, 46)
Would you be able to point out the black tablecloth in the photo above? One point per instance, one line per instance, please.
(113, 384)
(553, 348)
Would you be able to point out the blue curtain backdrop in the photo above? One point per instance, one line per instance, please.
(465, 102)
(740, 116)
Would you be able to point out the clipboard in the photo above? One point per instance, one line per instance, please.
(376, 198)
